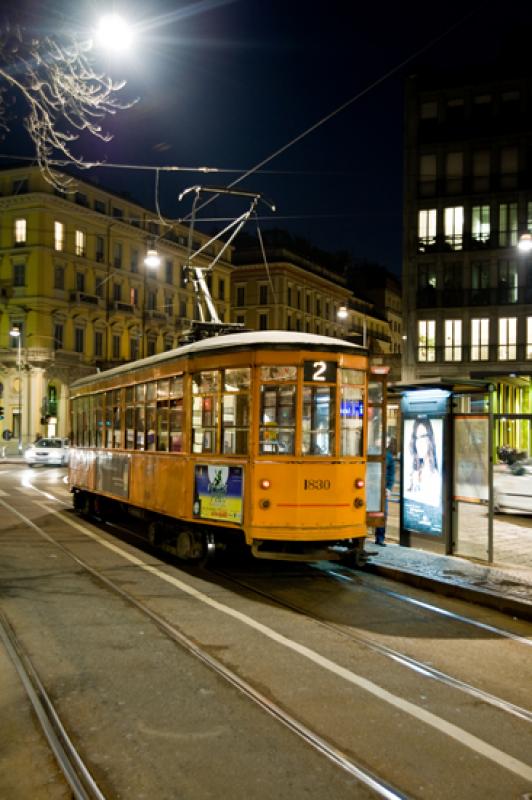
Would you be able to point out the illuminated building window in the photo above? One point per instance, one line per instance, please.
(480, 223)
(453, 222)
(20, 231)
(426, 340)
(80, 245)
(480, 332)
(453, 340)
(426, 228)
(507, 338)
(59, 236)
(529, 337)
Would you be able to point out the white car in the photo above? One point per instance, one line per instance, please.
(512, 487)
(52, 451)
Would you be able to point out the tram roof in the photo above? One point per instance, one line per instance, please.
(250, 339)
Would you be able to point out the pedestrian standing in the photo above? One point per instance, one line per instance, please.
(389, 480)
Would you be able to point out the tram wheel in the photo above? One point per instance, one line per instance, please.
(83, 504)
(357, 557)
(154, 533)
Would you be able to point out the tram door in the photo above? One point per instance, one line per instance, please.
(376, 447)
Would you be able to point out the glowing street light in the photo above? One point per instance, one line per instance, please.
(525, 243)
(342, 312)
(114, 33)
(152, 259)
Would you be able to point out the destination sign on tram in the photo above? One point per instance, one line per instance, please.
(319, 371)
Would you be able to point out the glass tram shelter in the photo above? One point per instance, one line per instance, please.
(446, 468)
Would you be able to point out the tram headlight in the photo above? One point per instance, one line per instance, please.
(265, 483)
(359, 483)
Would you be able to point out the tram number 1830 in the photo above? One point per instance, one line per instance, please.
(317, 484)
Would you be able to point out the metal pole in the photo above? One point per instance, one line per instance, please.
(19, 397)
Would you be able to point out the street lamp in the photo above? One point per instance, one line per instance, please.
(525, 243)
(15, 333)
(152, 261)
(342, 312)
(114, 34)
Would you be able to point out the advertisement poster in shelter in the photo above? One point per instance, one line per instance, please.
(218, 492)
(471, 458)
(422, 475)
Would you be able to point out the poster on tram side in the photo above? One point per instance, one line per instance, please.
(218, 492)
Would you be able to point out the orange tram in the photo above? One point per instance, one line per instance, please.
(253, 438)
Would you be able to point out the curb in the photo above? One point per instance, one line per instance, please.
(522, 609)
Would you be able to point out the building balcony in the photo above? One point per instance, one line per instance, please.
(125, 308)
(83, 297)
(156, 316)
(457, 297)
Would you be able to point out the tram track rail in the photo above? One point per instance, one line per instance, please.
(372, 781)
(68, 757)
(421, 668)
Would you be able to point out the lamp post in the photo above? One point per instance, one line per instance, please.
(15, 333)
(152, 261)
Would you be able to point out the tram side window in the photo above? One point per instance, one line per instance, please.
(108, 420)
(75, 421)
(319, 408)
(235, 411)
(176, 414)
(204, 411)
(117, 419)
(277, 413)
(151, 393)
(163, 391)
(130, 419)
(90, 422)
(140, 424)
(98, 420)
(84, 430)
(352, 421)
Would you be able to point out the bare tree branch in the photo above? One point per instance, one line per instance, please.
(63, 95)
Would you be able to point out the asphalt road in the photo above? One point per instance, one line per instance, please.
(430, 697)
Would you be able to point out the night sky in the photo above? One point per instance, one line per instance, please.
(226, 84)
